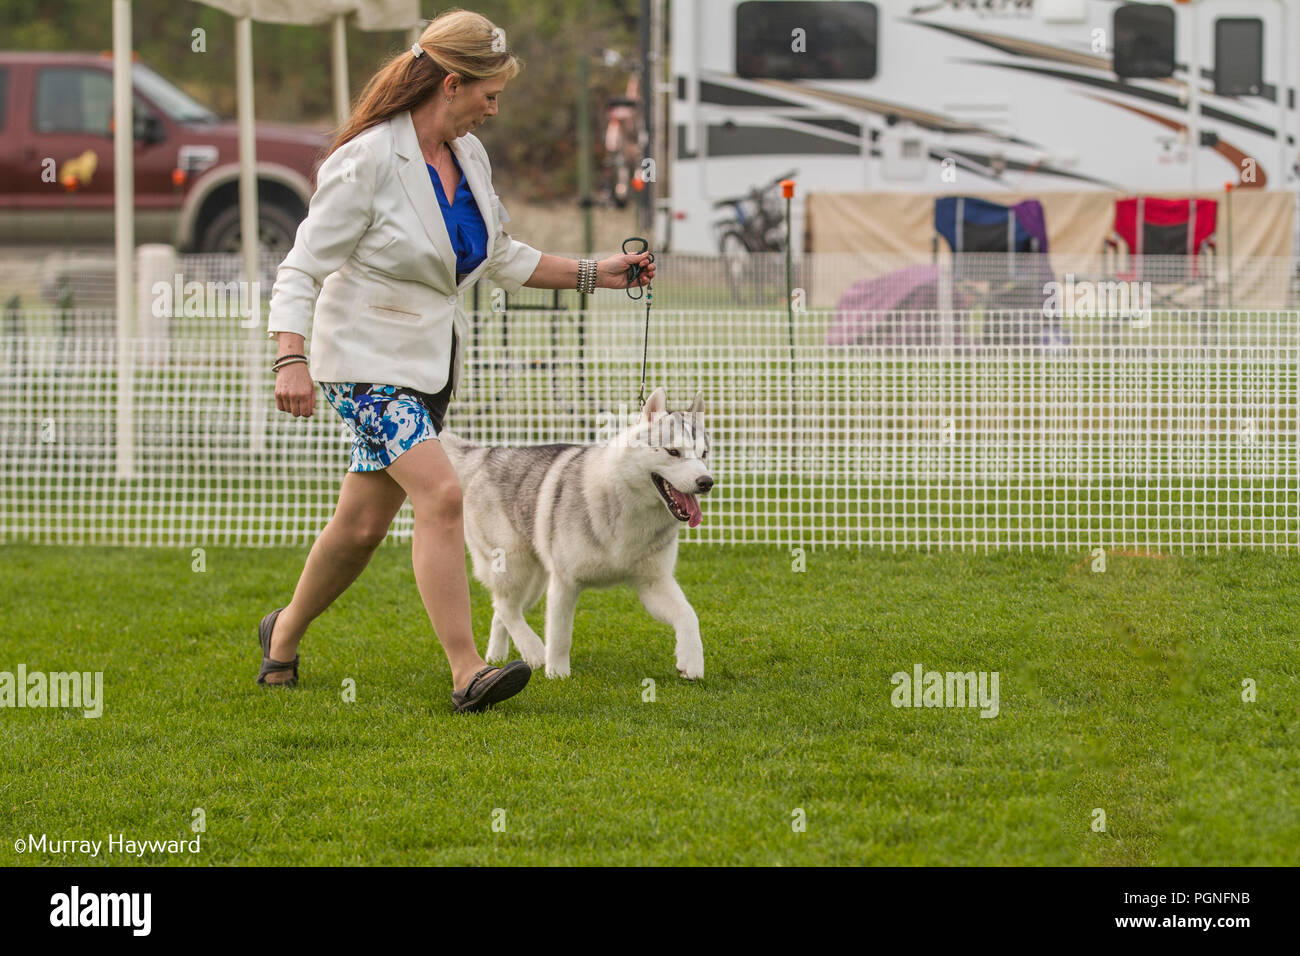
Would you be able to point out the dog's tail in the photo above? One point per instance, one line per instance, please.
(464, 455)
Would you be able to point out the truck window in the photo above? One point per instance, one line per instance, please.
(73, 100)
(1238, 56)
(1144, 40)
(838, 40)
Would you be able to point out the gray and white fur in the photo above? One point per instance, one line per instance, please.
(558, 519)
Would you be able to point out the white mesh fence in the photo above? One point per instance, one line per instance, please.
(1161, 430)
(73, 282)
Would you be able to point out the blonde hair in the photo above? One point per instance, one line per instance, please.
(457, 41)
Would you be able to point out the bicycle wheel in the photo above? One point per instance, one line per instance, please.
(738, 264)
(768, 286)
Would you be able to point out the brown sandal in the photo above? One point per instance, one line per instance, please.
(491, 685)
(270, 666)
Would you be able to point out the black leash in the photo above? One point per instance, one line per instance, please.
(633, 274)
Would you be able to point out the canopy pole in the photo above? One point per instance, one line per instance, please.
(247, 159)
(1283, 84)
(249, 245)
(1194, 98)
(124, 235)
(339, 49)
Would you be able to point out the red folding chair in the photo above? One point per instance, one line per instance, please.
(1165, 240)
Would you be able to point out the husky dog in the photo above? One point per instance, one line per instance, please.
(563, 518)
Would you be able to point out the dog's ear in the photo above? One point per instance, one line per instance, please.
(697, 405)
(655, 405)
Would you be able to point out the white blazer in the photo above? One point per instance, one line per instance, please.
(375, 250)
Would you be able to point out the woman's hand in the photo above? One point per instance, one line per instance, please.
(611, 273)
(295, 392)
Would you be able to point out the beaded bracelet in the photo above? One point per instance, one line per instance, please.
(587, 272)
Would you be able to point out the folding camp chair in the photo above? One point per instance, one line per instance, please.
(999, 259)
(1164, 241)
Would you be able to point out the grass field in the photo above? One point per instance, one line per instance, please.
(1119, 690)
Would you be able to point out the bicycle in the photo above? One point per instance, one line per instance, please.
(750, 241)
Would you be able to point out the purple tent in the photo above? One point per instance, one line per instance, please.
(898, 308)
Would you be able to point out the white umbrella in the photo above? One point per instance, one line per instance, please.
(370, 15)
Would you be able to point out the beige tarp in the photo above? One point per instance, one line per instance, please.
(879, 232)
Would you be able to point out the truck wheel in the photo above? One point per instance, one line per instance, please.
(276, 229)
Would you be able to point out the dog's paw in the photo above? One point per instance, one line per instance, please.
(497, 659)
(690, 669)
(557, 670)
(536, 662)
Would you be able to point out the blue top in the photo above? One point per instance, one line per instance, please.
(464, 222)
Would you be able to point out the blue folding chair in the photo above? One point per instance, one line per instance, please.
(999, 255)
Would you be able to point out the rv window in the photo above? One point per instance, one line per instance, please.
(1144, 40)
(806, 40)
(1238, 56)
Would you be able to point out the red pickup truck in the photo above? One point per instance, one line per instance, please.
(56, 160)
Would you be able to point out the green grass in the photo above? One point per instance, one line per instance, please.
(1119, 690)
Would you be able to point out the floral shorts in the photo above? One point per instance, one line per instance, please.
(386, 419)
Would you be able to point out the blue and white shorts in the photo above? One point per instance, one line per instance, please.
(386, 420)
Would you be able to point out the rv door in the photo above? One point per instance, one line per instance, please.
(1245, 116)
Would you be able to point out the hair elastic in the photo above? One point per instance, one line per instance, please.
(417, 50)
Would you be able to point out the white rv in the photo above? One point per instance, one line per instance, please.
(1020, 95)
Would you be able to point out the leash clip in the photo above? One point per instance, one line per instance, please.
(634, 270)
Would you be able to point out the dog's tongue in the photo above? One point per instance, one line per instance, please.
(691, 505)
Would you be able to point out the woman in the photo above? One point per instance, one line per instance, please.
(404, 218)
